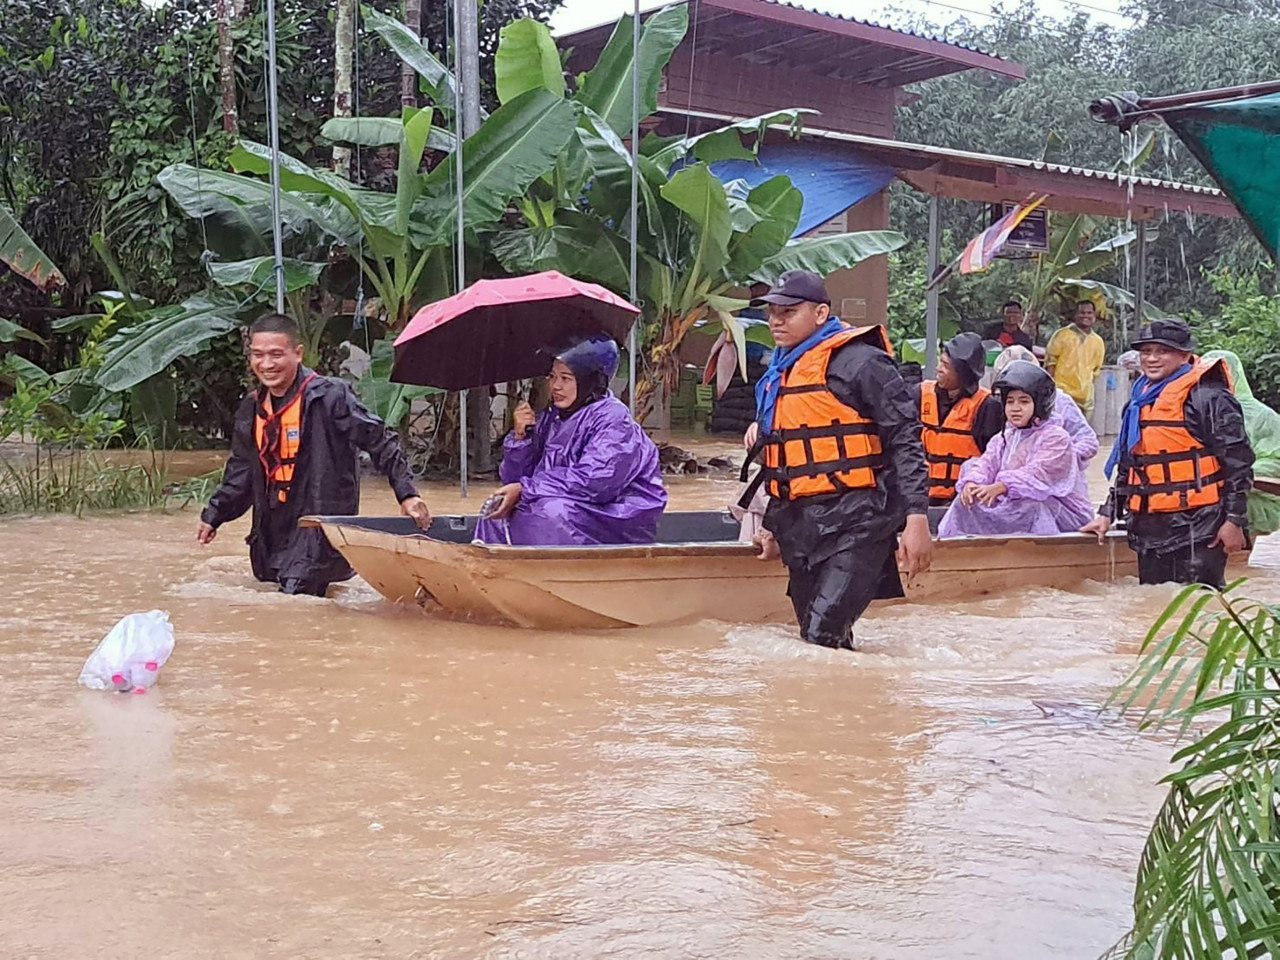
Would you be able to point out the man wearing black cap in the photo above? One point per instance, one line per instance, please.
(838, 434)
(1185, 463)
(959, 417)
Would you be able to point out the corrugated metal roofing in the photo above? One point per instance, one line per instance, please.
(933, 38)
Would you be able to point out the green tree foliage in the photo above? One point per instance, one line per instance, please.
(1173, 46)
(1247, 324)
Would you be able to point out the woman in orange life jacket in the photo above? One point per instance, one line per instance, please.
(1185, 464)
(295, 451)
(838, 436)
(959, 417)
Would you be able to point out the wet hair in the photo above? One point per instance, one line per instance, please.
(1011, 303)
(276, 323)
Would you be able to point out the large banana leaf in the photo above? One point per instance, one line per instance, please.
(20, 253)
(824, 255)
(579, 245)
(10, 331)
(417, 129)
(295, 176)
(1104, 296)
(381, 132)
(778, 203)
(527, 59)
(606, 89)
(142, 350)
(259, 273)
(698, 193)
(514, 147)
(410, 48)
(246, 201)
(390, 401)
(725, 143)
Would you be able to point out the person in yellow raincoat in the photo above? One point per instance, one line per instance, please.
(1074, 356)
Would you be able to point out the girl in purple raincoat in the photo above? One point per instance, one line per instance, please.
(1029, 479)
(581, 472)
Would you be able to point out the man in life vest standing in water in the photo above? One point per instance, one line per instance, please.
(959, 417)
(1185, 462)
(295, 451)
(839, 438)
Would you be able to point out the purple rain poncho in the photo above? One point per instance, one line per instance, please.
(1047, 489)
(1067, 414)
(591, 478)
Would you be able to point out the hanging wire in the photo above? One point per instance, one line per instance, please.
(358, 320)
(207, 254)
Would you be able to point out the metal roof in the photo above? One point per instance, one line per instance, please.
(991, 178)
(775, 32)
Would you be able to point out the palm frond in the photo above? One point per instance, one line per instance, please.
(1208, 881)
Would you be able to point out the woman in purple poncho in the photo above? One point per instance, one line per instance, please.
(583, 471)
(1029, 479)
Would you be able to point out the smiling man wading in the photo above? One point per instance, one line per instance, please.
(838, 435)
(295, 451)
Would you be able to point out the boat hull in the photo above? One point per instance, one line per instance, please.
(670, 583)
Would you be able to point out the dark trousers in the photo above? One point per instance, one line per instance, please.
(1195, 563)
(831, 595)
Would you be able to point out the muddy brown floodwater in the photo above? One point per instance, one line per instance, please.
(342, 778)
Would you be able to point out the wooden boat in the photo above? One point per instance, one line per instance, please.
(697, 570)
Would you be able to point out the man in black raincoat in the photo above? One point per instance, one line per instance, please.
(843, 546)
(295, 451)
(1185, 464)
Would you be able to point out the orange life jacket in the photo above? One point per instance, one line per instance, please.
(1170, 469)
(280, 475)
(819, 444)
(947, 445)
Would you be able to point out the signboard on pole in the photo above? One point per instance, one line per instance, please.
(1028, 237)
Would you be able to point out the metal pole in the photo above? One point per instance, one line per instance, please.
(460, 251)
(1140, 284)
(635, 199)
(931, 298)
(273, 121)
(467, 39)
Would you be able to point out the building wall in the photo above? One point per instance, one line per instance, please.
(725, 85)
(861, 295)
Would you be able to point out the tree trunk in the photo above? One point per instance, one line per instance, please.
(227, 68)
(343, 42)
(408, 76)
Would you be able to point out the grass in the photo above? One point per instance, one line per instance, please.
(47, 480)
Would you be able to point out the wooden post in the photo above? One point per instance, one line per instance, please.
(931, 307)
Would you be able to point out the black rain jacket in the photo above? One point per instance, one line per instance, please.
(326, 481)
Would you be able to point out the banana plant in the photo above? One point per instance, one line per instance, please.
(21, 255)
(699, 239)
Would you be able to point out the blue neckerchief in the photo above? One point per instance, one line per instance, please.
(1144, 392)
(783, 360)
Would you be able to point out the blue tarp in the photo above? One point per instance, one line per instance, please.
(831, 178)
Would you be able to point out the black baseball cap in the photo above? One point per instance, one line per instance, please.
(795, 286)
(1170, 333)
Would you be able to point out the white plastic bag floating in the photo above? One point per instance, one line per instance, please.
(129, 658)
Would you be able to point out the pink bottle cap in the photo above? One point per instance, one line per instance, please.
(152, 666)
(138, 690)
(117, 678)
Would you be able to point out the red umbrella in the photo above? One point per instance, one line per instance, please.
(498, 330)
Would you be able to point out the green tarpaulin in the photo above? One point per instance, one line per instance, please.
(1239, 144)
